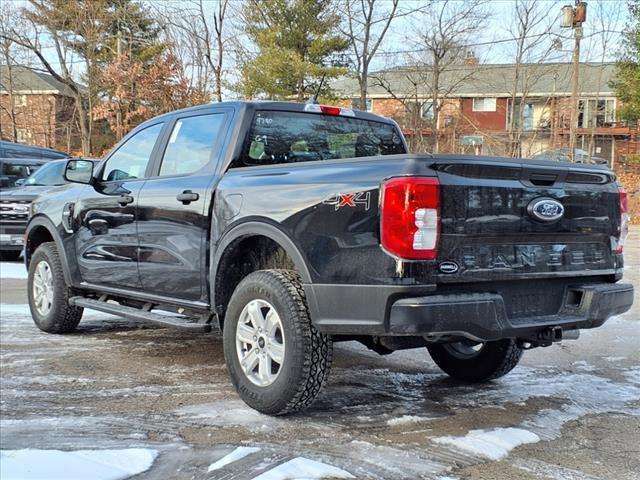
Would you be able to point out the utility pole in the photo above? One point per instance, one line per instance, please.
(574, 17)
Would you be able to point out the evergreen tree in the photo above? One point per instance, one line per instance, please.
(627, 80)
(298, 43)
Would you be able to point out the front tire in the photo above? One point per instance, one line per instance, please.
(277, 360)
(48, 292)
(476, 362)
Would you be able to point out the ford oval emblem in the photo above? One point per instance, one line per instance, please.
(448, 267)
(545, 209)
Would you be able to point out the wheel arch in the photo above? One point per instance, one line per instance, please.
(261, 238)
(41, 230)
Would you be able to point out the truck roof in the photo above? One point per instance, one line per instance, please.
(268, 105)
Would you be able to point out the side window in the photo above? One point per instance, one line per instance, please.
(190, 144)
(131, 159)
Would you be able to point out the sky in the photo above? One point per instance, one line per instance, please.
(601, 42)
(601, 33)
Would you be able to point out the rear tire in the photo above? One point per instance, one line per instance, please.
(461, 361)
(49, 294)
(268, 320)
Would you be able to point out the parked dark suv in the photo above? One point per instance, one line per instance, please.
(20, 150)
(18, 161)
(15, 202)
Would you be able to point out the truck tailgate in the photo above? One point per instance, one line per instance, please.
(495, 226)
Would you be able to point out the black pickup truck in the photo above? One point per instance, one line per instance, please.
(289, 227)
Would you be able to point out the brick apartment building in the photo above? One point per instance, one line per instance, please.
(42, 109)
(475, 108)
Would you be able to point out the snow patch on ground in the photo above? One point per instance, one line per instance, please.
(633, 375)
(583, 366)
(21, 309)
(232, 413)
(303, 468)
(238, 454)
(493, 444)
(13, 270)
(615, 359)
(404, 419)
(31, 464)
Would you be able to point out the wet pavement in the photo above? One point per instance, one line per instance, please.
(569, 411)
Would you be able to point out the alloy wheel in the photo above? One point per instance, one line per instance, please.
(260, 342)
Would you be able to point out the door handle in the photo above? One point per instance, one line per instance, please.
(187, 197)
(124, 200)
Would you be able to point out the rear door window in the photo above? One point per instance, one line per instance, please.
(290, 137)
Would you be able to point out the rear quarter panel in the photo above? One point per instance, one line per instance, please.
(329, 209)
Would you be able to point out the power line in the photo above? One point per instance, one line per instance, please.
(396, 52)
(504, 40)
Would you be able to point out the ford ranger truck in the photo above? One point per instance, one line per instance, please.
(288, 227)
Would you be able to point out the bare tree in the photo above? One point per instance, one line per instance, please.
(443, 29)
(367, 24)
(41, 24)
(404, 86)
(202, 31)
(7, 45)
(607, 23)
(531, 31)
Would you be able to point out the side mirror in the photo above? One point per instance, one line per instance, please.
(20, 182)
(79, 171)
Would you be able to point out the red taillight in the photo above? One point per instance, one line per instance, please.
(410, 217)
(624, 220)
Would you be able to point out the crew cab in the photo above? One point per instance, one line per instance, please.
(288, 227)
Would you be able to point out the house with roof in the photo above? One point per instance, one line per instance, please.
(35, 109)
(468, 107)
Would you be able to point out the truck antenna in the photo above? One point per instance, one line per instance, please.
(314, 98)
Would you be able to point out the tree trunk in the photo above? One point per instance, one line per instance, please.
(10, 97)
(83, 122)
(364, 85)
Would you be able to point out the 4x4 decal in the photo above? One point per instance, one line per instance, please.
(340, 200)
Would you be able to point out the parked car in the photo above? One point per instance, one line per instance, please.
(562, 155)
(14, 203)
(18, 161)
(13, 171)
(20, 150)
(290, 227)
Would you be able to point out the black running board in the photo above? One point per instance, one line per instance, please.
(182, 323)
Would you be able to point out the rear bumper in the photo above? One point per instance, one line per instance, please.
(478, 316)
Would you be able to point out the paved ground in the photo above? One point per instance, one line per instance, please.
(114, 385)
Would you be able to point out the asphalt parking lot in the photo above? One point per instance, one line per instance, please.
(570, 411)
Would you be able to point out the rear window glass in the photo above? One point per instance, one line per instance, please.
(289, 137)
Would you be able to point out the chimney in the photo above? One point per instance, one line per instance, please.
(470, 58)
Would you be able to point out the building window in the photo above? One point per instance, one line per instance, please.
(20, 101)
(484, 104)
(21, 135)
(355, 103)
(596, 113)
(426, 111)
(524, 113)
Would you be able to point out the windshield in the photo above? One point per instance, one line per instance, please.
(49, 175)
(11, 172)
(288, 137)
